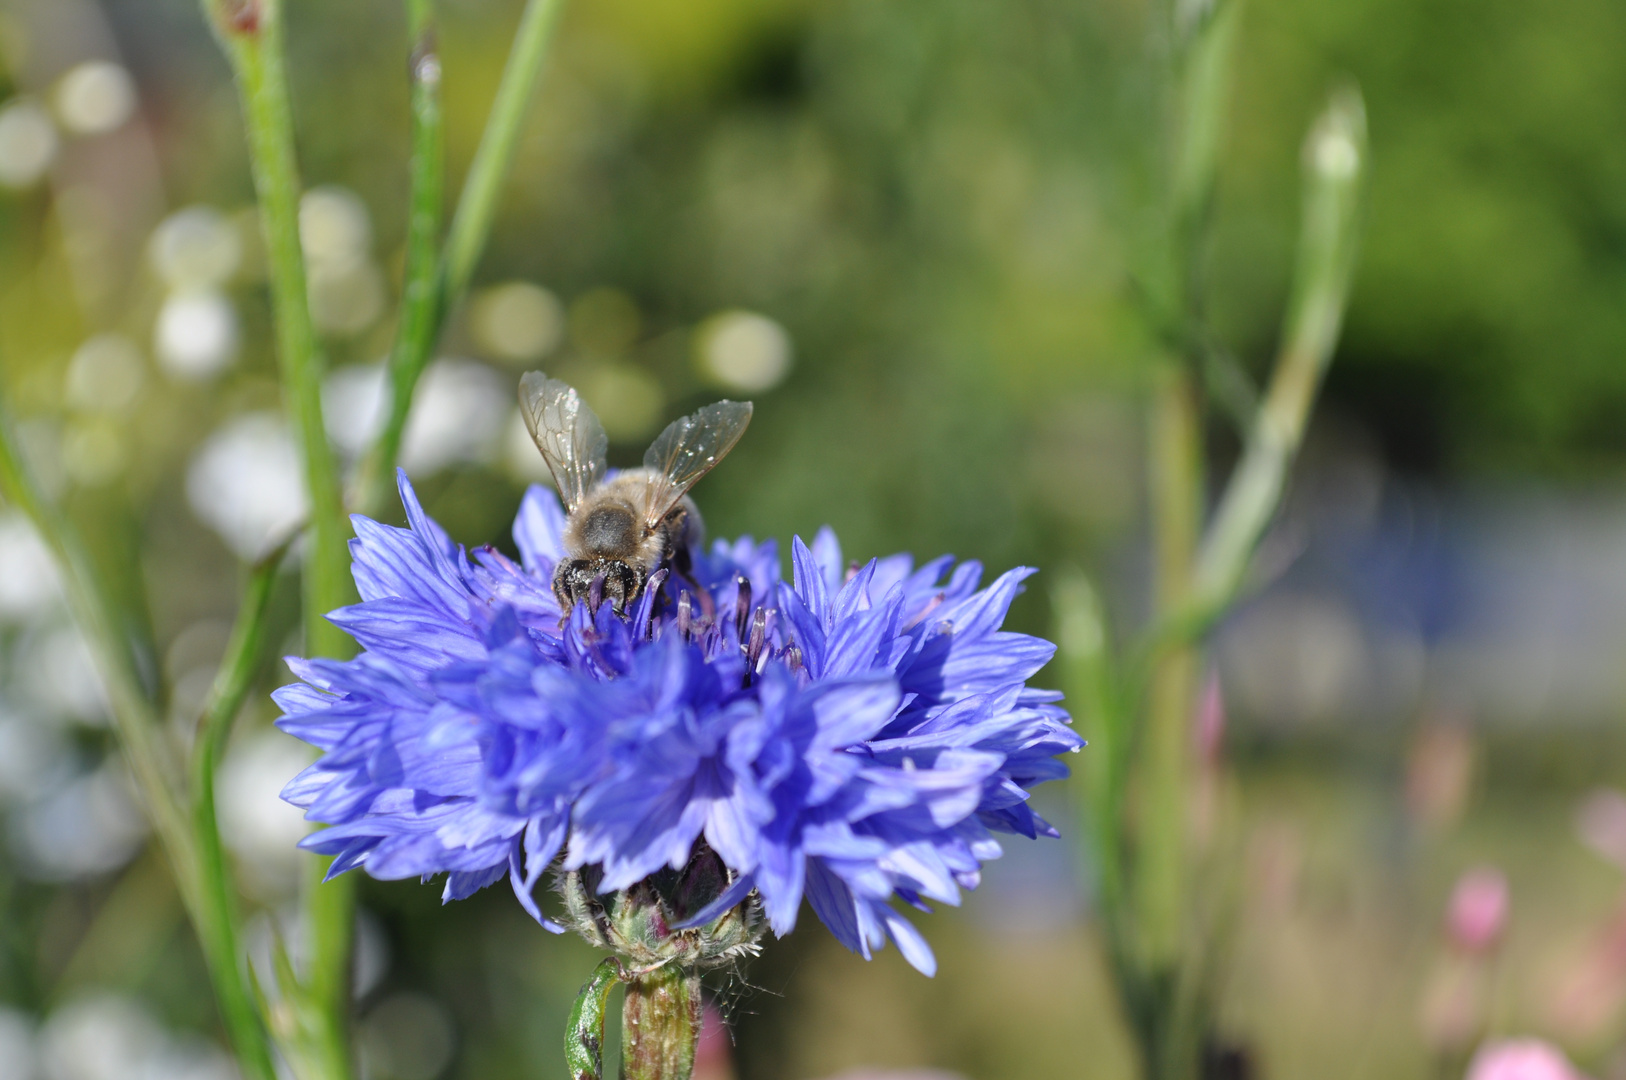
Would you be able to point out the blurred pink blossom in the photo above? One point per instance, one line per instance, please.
(1522, 1059)
(1601, 821)
(1477, 914)
(714, 1056)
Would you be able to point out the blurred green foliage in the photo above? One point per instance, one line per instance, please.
(945, 202)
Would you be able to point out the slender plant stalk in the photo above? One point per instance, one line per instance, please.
(1145, 877)
(1334, 157)
(250, 31)
(465, 239)
(660, 1024)
(421, 302)
(192, 846)
(151, 759)
(217, 916)
(1176, 520)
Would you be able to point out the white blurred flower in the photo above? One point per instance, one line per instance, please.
(334, 226)
(741, 350)
(517, 321)
(85, 828)
(196, 334)
(18, 1052)
(254, 821)
(353, 406)
(34, 759)
(245, 483)
(186, 1059)
(56, 670)
(345, 298)
(196, 248)
(346, 290)
(28, 582)
(28, 143)
(458, 416)
(520, 455)
(94, 97)
(105, 375)
(104, 1036)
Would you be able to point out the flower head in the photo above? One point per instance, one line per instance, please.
(853, 738)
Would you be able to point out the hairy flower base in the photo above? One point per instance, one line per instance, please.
(856, 737)
(687, 918)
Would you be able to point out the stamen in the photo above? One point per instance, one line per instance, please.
(759, 637)
(685, 615)
(793, 657)
(595, 593)
(742, 605)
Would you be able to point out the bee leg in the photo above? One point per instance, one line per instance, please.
(573, 583)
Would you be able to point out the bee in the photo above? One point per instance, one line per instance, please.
(620, 532)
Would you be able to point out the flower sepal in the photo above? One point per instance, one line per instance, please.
(698, 918)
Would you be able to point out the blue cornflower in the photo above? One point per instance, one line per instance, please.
(851, 737)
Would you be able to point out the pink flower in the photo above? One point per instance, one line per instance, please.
(1522, 1059)
(1478, 911)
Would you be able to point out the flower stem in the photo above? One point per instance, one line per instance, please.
(1335, 156)
(217, 917)
(421, 301)
(424, 315)
(134, 715)
(660, 1024)
(193, 847)
(250, 32)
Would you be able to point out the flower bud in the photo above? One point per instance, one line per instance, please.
(639, 923)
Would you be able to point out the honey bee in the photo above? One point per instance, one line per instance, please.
(620, 532)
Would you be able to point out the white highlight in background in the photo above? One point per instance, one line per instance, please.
(28, 144)
(741, 350)
(244, 483)
(94, 97)
(196, 334)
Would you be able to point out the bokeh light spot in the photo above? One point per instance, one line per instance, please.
(196, 334)
(741, 350)
(28, 144)
(94, 97)
(518, 321)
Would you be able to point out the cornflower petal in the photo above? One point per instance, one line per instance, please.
(849, 737)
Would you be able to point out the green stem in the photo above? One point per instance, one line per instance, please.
(584, 1034)
(421, 304)
(1176, 508)
(217, 917)
(250, 31)
(135, 718)
(466, 239)
(1335, 154)
(660, 1025)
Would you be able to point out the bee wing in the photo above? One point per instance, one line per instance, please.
(567, 432)
(688, 449)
